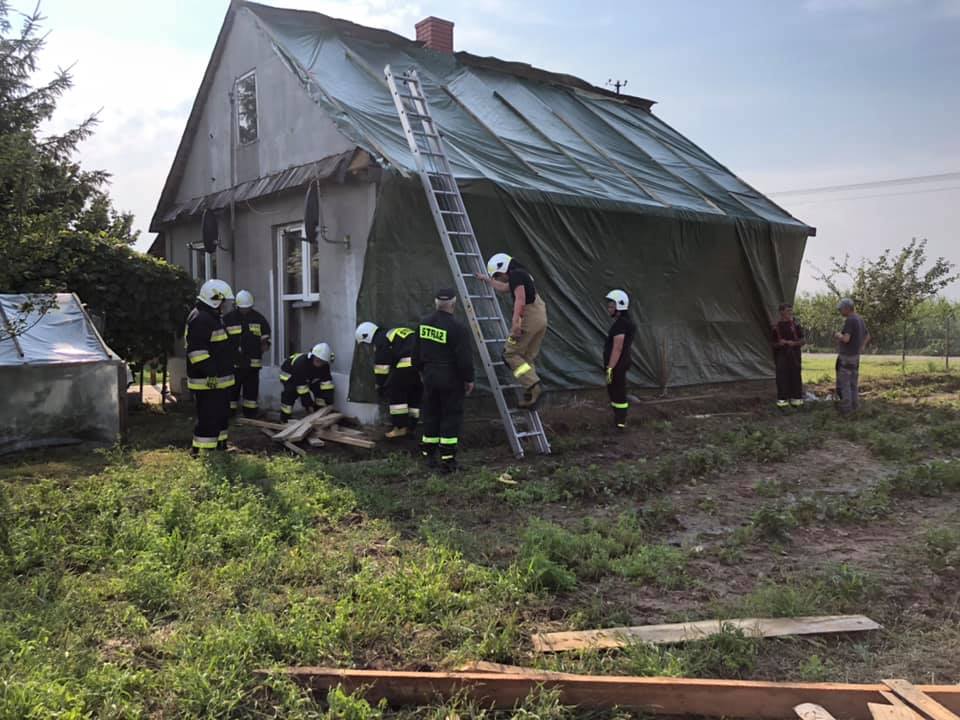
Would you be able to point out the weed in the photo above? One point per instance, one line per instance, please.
(929, 480)
(836, 588)
(814, 669)
(729, 653)
(344, 706)
(942, 548)
(773, 522)
(658, 564)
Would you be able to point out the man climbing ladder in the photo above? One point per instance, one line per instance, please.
(528, 325)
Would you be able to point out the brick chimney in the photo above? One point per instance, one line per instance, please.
(436, 34)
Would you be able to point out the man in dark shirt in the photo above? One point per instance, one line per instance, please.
(307, 377)
(528, 326)
(616, 354)
(250, 333)
(787, 339)
(851, 341)
(443, 354)
(394, 374)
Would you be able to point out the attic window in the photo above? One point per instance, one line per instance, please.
(247, 108)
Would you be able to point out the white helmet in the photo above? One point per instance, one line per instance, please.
(244, 299)
(498, 263)
(366, 331)
(214, 292)
(620, 298)
(322, 351)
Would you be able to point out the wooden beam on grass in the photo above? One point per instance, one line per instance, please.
(299, 429)
(294, 449)
(262, 424)
(685, 632)
(880, 711)
(483, 666)
(658, 696)
(920, 700)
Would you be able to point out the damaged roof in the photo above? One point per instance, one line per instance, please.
(525, 129)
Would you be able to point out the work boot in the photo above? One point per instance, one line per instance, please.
(397, 432)
(782, 404)
(796, 403)
(429, 455)
(449, 467)
(530, 397)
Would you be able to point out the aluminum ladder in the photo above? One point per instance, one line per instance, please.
(490, 329)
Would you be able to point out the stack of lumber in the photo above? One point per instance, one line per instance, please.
(316, 430)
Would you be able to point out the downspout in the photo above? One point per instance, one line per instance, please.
(233, 184)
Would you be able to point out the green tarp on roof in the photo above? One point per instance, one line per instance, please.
(521, 133)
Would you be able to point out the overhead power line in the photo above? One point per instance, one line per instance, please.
(875, 195)
(874, 184)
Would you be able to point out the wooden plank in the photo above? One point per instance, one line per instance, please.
(920, 700)
(892, 698)
(344, 439)
(809, 711)
(302, 425)
(328, 420)
(268, 433)
(293, 448)
(684, 632)
(315, 442)
(897, 711)
(659, 696)
(263, 424)
(483, 666)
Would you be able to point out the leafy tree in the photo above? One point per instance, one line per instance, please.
(143, 301)
(59, 230)
(888, 290)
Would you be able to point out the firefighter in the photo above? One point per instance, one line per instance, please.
(528, 325)
(787, 339)
(209, 366)
(306, 376)
(394, 374)
(616, 354)
(249, 332)
(443, 354)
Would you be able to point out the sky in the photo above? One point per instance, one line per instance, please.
(789, 94)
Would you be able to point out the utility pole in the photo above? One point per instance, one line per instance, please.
(616, 84)
(947, 353)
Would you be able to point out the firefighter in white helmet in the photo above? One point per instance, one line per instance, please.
(528, 324)
(249, 334)
(307, 377)
(616, 354)
(209, 366)
(394, 374)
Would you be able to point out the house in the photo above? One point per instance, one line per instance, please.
(590, 189)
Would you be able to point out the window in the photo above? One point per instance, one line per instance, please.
(247, 109)
(298, 270)
(299, 266)
(203, 265)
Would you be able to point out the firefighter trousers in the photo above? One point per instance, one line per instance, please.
(617, 392)
(246, 392)
(213, 417)
(521, 353)
(442, 422)
(404, 394)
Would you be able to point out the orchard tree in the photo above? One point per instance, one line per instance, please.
(888, 290)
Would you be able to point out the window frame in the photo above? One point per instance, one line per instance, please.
(208, 261)
(308, 294)
(256, 105)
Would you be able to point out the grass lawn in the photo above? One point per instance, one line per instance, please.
(819, 368)
(138, 582)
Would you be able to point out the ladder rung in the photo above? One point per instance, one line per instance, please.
(459, 232)
(494, 340)
(444, 192)
(439, 174)
(481, 297)
(529, 434)
(487, 319)
(452, 212)
(411, 97)
(468, 254)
